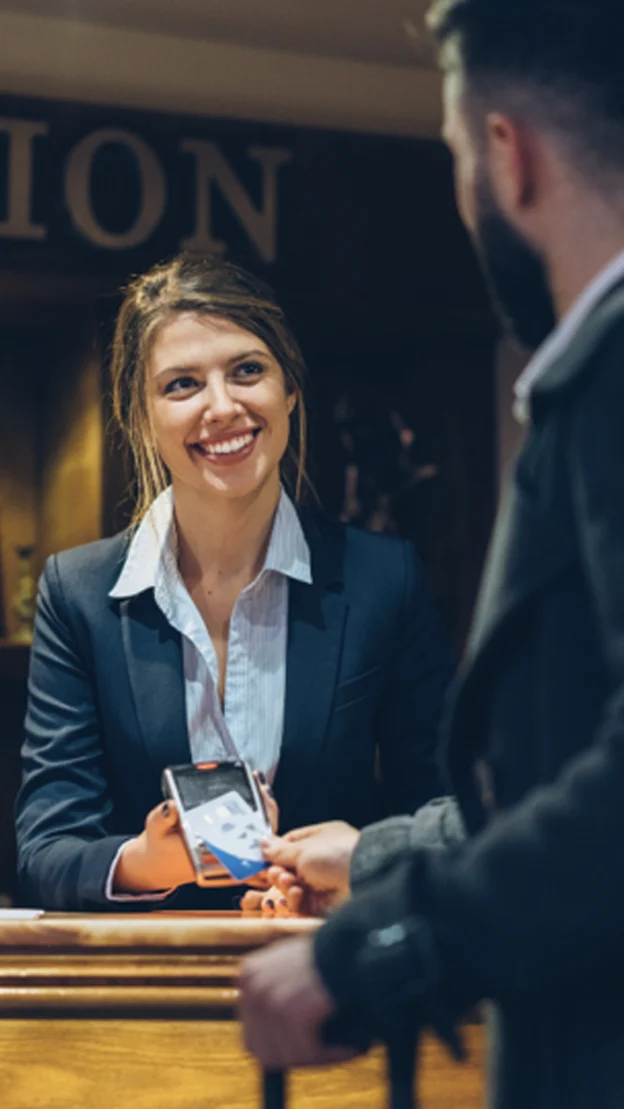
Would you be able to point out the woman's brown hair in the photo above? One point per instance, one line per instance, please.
(207, 286)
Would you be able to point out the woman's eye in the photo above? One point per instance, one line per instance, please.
(249, 369)
(180, 385)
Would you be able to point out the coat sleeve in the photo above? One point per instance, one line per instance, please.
(408, 717)
(437, 824)
(535, 901)
(64, 807)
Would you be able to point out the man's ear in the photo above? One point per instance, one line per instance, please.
(511, 161)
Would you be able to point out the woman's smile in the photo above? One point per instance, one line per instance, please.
(228, 450)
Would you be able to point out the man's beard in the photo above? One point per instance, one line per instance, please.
(515, 273)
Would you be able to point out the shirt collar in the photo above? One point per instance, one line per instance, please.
(288, 552)
(564, 333)
(154, 542)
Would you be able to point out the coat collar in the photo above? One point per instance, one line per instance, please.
(573, 359)
(561, 339)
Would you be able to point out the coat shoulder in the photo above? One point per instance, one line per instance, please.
(91, 567)
(356, 557)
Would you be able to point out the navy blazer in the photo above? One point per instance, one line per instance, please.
(367, 669)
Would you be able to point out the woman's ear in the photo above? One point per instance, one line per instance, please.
(291, 403)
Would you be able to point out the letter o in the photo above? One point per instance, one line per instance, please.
(78, 180)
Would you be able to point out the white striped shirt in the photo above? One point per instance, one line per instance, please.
(251, 723)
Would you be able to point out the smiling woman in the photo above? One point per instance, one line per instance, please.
(228, 622)
(215, 404)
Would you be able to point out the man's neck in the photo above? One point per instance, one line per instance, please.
(580, 252)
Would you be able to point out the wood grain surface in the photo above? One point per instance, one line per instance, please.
(166, 931)
(139, 1012)
(196, 1065)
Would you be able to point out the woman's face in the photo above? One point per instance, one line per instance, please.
(219, 406)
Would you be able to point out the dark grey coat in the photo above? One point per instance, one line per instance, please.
(529, 910)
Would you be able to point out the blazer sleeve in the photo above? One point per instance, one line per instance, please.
(535, 902)
(408, 717)
(64, 807)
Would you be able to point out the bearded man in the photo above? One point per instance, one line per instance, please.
(528, 909)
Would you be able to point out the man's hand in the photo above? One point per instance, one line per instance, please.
(284, 1007)
(311, 866)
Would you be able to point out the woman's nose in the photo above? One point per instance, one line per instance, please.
(219, 402)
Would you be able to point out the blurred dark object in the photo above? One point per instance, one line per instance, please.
(380, 459)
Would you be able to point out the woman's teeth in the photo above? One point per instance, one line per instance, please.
(228, 446)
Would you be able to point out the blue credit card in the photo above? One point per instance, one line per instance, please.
(231, 829)
(238, 867)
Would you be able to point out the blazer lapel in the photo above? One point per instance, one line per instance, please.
(154, 660)
(316, 620)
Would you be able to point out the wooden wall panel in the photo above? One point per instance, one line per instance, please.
(18, 464)
(71, 456)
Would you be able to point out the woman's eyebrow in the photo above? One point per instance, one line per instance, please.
(255, 353)
(168, 370)
(191, 368)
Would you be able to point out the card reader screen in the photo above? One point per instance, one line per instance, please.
(198, 786)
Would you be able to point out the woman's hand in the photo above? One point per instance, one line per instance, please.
(157, 860)
(271, 809)
(286, 897)
(260, 882)
(270, 901)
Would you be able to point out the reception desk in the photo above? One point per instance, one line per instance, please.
(139, 1012)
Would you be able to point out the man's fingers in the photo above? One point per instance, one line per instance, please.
(281, 853)
(301, 833)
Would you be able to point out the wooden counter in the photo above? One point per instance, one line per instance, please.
(121, 1011)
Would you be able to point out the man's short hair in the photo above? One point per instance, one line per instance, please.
(562, 60)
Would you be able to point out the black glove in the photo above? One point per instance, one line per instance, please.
(380, 963)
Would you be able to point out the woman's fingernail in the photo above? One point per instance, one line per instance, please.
(262, 777)
(269, 902)
(283, 901)
(165, 808)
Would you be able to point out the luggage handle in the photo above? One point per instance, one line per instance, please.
(401, 1062)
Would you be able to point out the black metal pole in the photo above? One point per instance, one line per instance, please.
(402, 1052)
(274, 1089)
